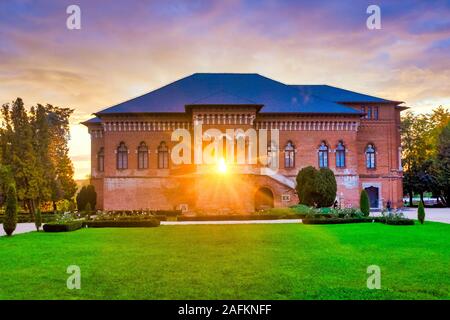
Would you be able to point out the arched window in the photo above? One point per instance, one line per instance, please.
(163, 156)
(142, 156)
(323, 155)
(122, 156)
(101, 160)
(370, 157)
(289, 155)
(340, 155)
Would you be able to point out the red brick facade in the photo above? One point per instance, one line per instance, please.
(153, 188)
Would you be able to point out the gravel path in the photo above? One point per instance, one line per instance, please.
(21, 228)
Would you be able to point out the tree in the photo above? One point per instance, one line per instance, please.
(10, 221)
(19, 154)
(441, 166)
(82, 198)
(38, 219)
(326, 187)
(35, 147)
(64, 186)
(91, 196)
(364, 204)
(421, 213)
(316, 187)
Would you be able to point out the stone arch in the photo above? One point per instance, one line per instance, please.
(264, 198)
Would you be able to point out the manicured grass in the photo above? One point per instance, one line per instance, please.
(291, 261)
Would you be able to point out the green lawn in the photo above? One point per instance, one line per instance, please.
(290, 261)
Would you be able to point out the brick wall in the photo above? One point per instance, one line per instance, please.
(155, 188)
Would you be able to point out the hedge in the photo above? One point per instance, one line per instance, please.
(63, 227)
(122, 224)
(339, 220)
(22, 218)
(399, 222)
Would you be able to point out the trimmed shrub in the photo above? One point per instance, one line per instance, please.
(81, 199)
(326, 187)
(305, 187)
(38, 219)
(168, 213)
(10, 221)
(421, 213)
(149, 223)
(87, 195)
(339, 220)
(399, 222)
(316, 187)
(63, 227)
(364, 204)
(236, 217)
(91, 196)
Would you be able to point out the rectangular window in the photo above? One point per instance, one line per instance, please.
(323, 159)
(101, 163)
(289, 159)
(163, 160)
(375, 113)
(340, 158)
(143, 160)
(369, 112)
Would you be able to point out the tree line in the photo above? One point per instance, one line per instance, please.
(34, 154)
(426, 154)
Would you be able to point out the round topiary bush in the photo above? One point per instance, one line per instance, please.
(10, 221)
(305, 188)
(364, 204)
(316, 187)
(326, 188)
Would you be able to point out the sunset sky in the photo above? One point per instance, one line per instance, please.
(127, 48)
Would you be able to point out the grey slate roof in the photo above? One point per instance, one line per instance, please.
(228, 88)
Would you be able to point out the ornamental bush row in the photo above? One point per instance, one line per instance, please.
(63, 227)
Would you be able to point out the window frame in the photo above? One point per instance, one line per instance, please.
(371, 159)
(142, 152)
(322, 155)
(289, 155)
(122, 156)
(163, 154)
(341, 155)
(101, 160)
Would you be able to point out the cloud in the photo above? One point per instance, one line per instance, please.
(125, 49)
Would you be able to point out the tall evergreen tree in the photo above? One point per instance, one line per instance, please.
(64, 186)
(21, 156)
(442, 165)
(10, 222)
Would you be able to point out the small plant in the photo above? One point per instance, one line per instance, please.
(38, 219)
(364, 203)
(421, 213)
(10, 221)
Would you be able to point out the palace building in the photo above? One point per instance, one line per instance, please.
(355, 135)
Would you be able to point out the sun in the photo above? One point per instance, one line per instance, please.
(222, 166)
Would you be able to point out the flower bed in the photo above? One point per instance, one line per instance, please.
(236, 217)
(339, 220)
